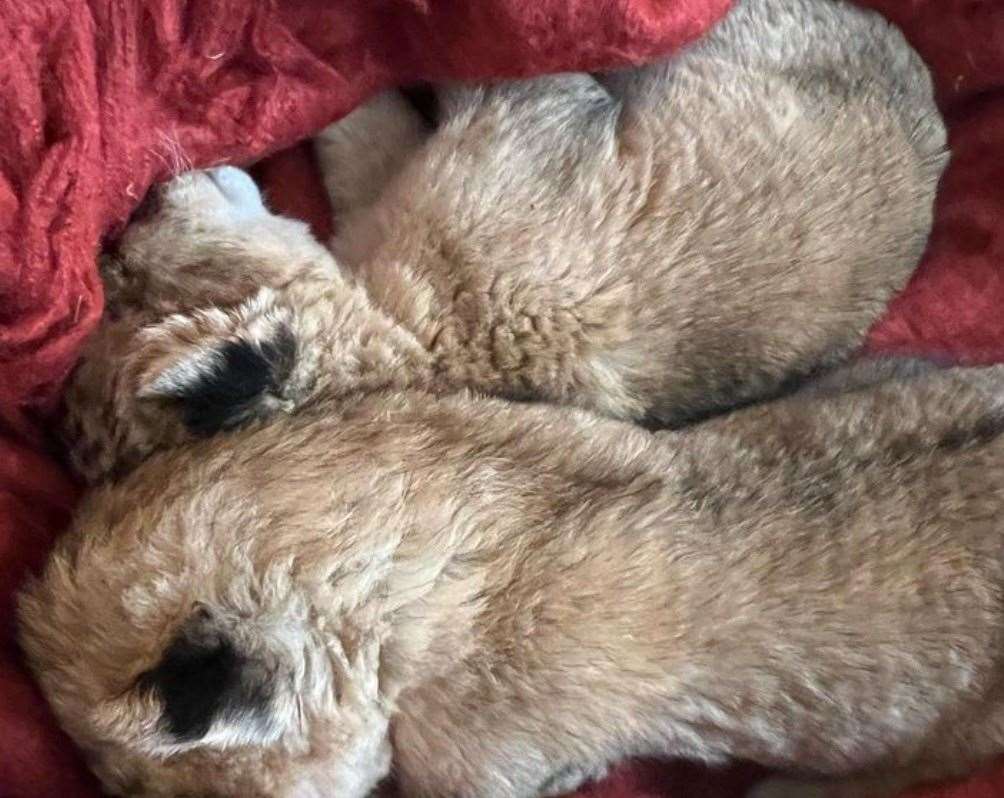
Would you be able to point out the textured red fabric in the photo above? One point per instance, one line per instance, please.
(98, 98)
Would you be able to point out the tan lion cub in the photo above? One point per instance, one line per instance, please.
(657, 245)
(496, 600)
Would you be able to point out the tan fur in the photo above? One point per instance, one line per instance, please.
(507, 595)
(656, 245)
(503, 599)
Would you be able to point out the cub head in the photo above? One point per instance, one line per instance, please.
(202, 330)
(190, 651)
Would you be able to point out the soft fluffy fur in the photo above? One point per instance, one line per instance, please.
(504, 598)
(656, 245)
(501, 599)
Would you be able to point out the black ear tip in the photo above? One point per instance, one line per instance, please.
(229, 390)
(191, 680)
(202, 678)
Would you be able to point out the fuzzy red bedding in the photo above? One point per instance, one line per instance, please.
(98, 98)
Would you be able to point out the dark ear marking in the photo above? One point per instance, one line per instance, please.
(981, 432)
(229, 388)
(203, 678)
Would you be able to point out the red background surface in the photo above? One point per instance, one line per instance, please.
(99, 98)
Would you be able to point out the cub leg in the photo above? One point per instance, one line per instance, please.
(361, 152)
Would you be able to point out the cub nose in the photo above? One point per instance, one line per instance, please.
(237, 188)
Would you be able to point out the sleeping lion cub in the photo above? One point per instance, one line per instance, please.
(495, 600)
(656, 245)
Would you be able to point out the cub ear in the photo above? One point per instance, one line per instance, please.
(220, 368)
(210, 691)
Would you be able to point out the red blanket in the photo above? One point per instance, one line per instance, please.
(100, 97)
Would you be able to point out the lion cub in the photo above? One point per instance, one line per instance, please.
(656, 245)
(495, 600)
